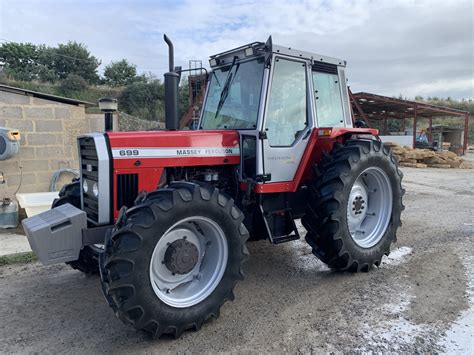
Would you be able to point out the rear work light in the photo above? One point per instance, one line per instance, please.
(324, 132)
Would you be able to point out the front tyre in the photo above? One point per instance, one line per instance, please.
(355, 206)
(174, 259)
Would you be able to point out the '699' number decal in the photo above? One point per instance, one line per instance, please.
(128, 152)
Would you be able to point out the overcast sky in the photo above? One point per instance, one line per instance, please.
(392, 47)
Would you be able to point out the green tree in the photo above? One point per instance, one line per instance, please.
(120, 73)
(75, 58)
(46, 64)
(19, 60)
(72, 85)
(144, 100)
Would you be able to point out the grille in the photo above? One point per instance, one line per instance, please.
(89, 172)
(127, 189)
(325, 68)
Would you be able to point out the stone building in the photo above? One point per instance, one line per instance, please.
(48, 126)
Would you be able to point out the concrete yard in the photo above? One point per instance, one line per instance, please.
(12, 242)
(420, 299)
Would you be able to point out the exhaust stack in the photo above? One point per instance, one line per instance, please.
(171, 90)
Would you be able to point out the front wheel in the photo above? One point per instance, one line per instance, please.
(355, 206)
(174, 259)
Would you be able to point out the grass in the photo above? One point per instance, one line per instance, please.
(19, 258)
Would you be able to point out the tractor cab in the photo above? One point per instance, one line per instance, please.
(275, 97)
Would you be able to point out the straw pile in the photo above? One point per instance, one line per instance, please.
(424, 158)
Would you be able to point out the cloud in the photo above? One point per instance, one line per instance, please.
(392, 47)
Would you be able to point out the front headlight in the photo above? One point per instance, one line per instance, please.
(85, 186)
(95, 189)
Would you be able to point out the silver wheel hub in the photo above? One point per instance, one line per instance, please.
(369, 207)
(188, 262)
(181, 257)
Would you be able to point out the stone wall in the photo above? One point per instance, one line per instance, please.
(48, 140)
(122, 122)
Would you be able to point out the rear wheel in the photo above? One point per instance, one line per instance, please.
(355, 206)
(174, 259)
(88, 261)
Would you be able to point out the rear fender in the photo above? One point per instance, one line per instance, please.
(327, 137)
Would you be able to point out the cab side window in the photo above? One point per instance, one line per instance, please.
(287, 111)
(327, 94)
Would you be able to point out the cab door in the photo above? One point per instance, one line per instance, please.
(289, 118)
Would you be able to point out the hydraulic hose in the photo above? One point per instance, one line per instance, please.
(57, 174)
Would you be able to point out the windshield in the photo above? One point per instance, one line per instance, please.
(234, 96)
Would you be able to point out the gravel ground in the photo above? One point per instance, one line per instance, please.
(420, 299)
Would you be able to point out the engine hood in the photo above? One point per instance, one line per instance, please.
(174, 148)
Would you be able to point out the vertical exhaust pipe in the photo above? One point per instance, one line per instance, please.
(171, 90)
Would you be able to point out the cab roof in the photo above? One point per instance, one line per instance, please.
(268, 49)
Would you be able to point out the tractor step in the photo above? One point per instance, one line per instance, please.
(285, 238)
(280, 226)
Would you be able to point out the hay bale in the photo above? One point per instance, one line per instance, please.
(440, 166)
(422, 153)
(414, 165)
(408, 165)
(455, 164)
(422, 158)
(434, 160)
(420, 165)
(466, 165)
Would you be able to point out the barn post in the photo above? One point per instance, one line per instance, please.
(430, 121)
(414, 124)
(466, 127)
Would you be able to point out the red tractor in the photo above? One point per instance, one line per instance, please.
(164, 216)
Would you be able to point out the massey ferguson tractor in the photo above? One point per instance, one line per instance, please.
(164, 216)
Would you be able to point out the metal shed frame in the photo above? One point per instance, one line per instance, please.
(384, 108)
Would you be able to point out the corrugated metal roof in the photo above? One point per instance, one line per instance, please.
(42, 95)
(380, 107)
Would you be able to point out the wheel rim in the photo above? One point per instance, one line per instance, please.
(188, 262)
(369, 207)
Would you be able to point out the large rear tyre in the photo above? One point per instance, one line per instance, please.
(355, 206)
(88, 261)
(174, 259)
